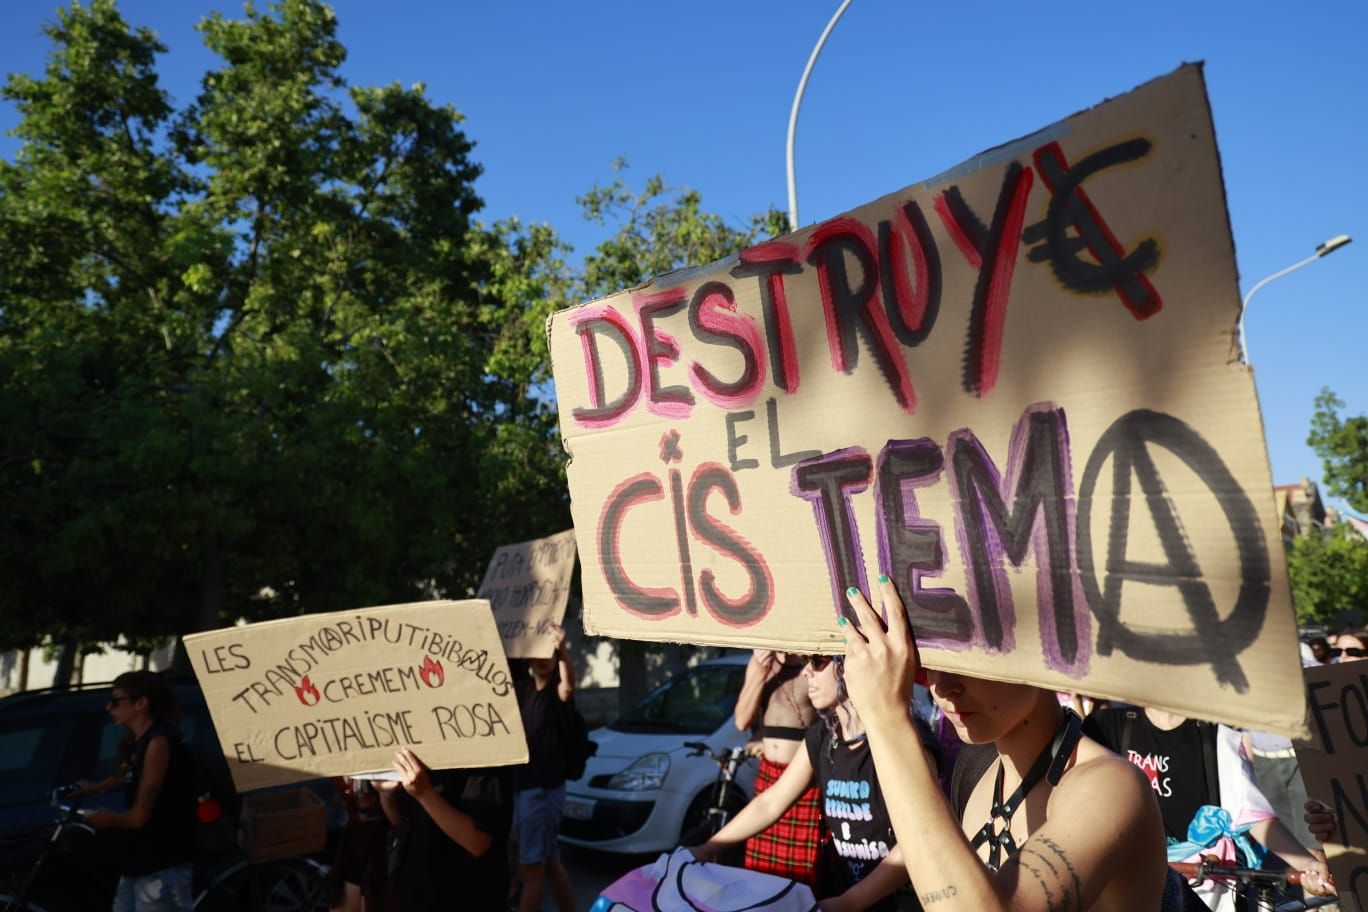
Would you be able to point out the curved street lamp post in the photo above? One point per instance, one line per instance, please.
(1323, 249)
(793, 116)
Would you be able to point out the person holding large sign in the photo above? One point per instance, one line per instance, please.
(451, 826)
(1062, 823)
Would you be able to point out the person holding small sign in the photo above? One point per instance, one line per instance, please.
(544, 696)
(1061, 823)
(450, 826)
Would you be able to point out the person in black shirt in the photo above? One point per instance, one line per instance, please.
(155, 855)
(867, 867)
(539, 802)
(450, 827)
(1191, 765)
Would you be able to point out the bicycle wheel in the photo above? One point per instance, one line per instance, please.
(8, 903)
(281, 886)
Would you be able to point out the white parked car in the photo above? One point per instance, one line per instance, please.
(642, 790)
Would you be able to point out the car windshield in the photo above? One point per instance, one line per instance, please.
(694, 703)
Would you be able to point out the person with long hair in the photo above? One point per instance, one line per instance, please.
(864, 867)
(1054, 821)
(156, 851)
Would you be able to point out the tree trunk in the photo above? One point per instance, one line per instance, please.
(631, 673)
(66, 663)
(211, 602)
(24, 669)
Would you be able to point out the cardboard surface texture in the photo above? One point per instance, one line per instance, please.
(1334, 766)
(1014, 388)
(528, 587)
(335, 694)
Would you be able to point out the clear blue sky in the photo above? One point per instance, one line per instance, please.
(553, 92)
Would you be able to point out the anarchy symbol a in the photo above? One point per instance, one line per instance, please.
(1212, 638)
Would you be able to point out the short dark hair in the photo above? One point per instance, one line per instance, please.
(161, 699)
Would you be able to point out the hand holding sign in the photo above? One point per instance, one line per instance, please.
(413, 774)
(881, 665)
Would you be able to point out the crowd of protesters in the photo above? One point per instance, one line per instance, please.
(1044, 809)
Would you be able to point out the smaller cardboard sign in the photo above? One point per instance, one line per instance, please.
(1334, 766)
(528, 586)
(338, 694)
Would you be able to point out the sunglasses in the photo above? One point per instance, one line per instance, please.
(1353, 651)
(115, 701)
(819, 662)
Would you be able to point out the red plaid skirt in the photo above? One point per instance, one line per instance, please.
(790, 847)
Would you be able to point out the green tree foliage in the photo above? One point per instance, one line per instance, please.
(256, 356)
(657, 230)
(1329, 574)
(1343, 445)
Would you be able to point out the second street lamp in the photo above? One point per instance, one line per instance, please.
(1323, 249)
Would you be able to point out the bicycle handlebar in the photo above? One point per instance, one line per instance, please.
(1214, 870)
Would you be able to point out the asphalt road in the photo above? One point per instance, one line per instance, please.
(591, 871)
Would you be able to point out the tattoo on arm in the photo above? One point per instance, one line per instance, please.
(934, 896)
(1050, 844)
(1025, 865)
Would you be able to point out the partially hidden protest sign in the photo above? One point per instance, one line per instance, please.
(1015, 388)
(337, 694)
(528, 586)
(1334, 766)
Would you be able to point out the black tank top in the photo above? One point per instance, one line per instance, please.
(167, 839)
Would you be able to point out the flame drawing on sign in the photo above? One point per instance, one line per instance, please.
(432, 672)
(307, 693)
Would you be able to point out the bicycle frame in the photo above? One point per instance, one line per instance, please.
(727, 765)
(67, 817)
(1268, 885)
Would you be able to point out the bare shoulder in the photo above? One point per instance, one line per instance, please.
(1100, 779)
(1107, 801)
(1103, 822)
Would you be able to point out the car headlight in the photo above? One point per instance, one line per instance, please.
(648, 772)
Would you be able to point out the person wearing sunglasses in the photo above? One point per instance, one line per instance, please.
(159, 826)
(1055, 821)
(1349, 647)
(864, 866)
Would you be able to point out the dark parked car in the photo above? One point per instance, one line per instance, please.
(51, 738)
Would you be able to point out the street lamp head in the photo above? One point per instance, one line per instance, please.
(1330, 246)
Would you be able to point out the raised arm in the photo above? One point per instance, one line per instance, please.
(458, 826)
(762, 666)
(1068, 860)
(762, 810)
(565, 690)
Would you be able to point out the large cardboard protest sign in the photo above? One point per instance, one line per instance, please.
(336, 694)
(1334, 765)
(528, 586)
(1014, 388)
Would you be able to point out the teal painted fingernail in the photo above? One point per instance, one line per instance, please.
(852, 591)
(841, 622)
(883, 578)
